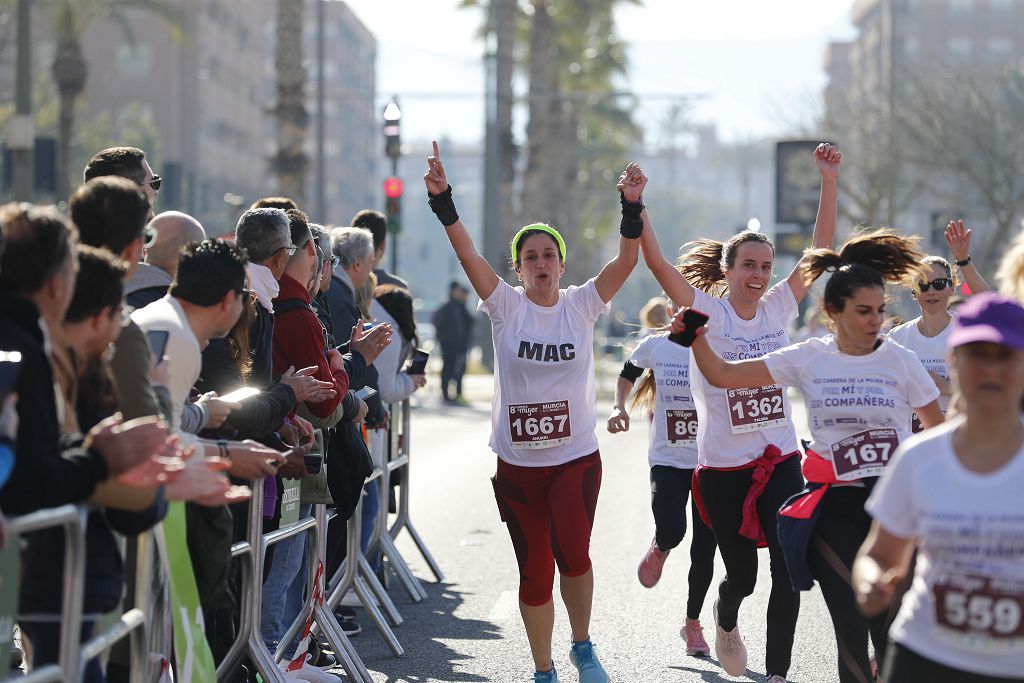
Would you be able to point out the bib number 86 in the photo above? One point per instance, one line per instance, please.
(532, 426)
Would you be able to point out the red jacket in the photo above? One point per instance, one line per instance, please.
(299, 341)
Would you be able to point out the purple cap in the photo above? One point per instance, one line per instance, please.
(988, 317)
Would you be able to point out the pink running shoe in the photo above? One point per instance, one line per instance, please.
(649, 571)
(696, 646)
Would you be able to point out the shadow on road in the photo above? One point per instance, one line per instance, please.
(716, 677)
(428, 625)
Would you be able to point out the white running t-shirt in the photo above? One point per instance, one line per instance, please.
(674, 432)
(965, 606)
(858, 407)
(931, 350)
(543, 412)
(736, 425)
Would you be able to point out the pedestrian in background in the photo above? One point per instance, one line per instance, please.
(453, 325)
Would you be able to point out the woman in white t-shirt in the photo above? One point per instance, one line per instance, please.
(859, 393)
(732, 447)
(926, 335)
(543, 417)
(954, 493)
(664, 394)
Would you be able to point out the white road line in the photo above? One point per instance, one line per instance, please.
(506, 607)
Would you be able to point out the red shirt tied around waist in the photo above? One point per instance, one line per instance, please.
(763, 468)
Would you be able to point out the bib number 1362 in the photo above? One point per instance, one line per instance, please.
(539, 425)
(754, 409)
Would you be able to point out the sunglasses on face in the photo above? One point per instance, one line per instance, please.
(155, 183)
(939, 284)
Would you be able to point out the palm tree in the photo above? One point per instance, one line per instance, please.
(290, 162)
(70, 71)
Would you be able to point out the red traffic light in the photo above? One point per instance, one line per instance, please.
(393, 187)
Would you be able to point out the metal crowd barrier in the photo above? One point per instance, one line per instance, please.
(355, 573)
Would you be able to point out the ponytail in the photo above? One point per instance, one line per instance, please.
(644, 394)
(869, 259)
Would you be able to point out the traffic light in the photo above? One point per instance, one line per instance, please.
(393, 203)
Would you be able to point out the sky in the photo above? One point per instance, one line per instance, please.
(754, 66)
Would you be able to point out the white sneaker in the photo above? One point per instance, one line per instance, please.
(729, 648)
(310, 673)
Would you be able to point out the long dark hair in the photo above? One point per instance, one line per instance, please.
(705, 261)
(398, 303)
(869, 259)
(238, 338)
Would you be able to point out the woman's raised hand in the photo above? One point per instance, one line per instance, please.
(958, 237)
(435, 178)
(631, 183)
(828, 160)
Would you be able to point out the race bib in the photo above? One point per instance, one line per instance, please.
(980, 612)
(754, 409)
(864, 454)
(681, 427)
(539, 425)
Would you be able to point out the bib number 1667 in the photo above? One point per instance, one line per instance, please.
(532, 426)
(539, 425)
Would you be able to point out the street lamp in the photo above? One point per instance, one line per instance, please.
(393, 186)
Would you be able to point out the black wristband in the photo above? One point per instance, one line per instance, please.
(632, 224)
(443, 207)
(631, 372)
(961, 264)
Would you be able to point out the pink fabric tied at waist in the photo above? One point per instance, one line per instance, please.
(763, 468)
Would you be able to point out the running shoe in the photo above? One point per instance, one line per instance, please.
(311, 674)
(350, 627)
(729, 648)
(696, 646)
(776, 679)
(649, 571)
(585, 660)
(549, 676)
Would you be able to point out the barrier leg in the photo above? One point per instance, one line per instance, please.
(352, 557)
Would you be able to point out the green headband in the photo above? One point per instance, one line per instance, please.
(542, 228)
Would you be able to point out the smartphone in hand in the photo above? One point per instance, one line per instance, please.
(692, 321)
(364, 393)
(418, 363)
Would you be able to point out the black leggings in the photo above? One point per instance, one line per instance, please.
(723, 493)
(670, 488)
(840, 531)
(906, 666)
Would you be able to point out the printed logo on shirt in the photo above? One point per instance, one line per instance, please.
(754, 347)
(549, 353)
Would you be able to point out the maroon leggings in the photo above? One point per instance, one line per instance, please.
(549, 512)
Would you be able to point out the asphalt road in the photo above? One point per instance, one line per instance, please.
(469, 628)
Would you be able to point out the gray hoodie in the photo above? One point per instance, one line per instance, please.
(148, 284)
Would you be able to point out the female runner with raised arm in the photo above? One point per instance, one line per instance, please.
(746, 455)
(860, 392)
(543, 417)
(926, 335)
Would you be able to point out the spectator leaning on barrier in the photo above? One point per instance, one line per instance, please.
(37, 275)
(165, 236)
(377, 224)
(79, 345)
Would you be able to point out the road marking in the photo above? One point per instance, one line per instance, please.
(505, 608)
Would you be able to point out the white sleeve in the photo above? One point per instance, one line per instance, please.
(921, 389)
(780, 303)
(892, 503)
(394, 385)
(641, 354)
(586, 300)
(708, 305)
(498, 304)
(786, 364)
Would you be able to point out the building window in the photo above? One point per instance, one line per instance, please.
(961, 5)
(1000, 47)
(135, 62)
(960, 47)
